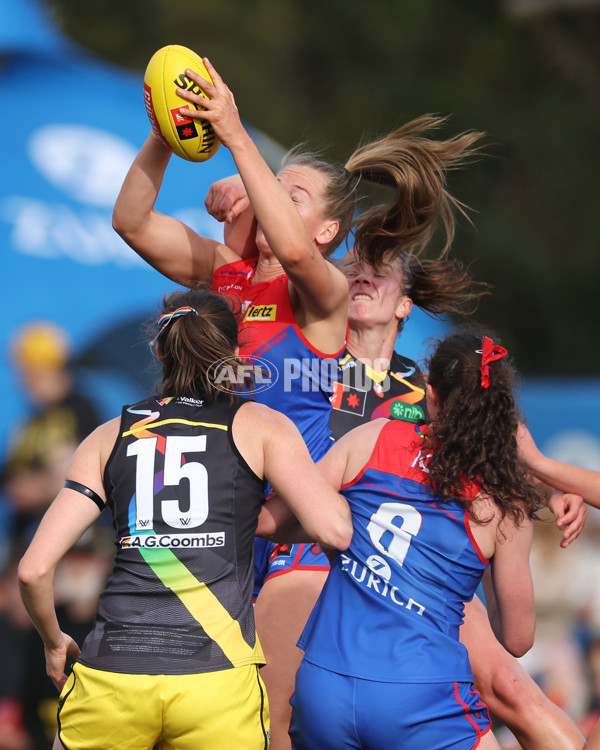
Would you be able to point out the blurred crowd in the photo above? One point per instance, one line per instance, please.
(32, 472)
(565, 659)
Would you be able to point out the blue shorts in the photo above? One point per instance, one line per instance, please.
(272, 559)
(334, 712)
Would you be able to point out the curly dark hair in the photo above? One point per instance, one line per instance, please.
(473, 434)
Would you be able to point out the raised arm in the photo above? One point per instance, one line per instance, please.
(508, 587)
(321, 287)
(64, 522)
(166, 243)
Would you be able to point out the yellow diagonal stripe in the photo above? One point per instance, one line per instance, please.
(203, 606)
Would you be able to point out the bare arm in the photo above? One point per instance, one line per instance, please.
(277, 523)
(227, 201)
(273, 447)
(64, 522)
(322, 511)
(508, 587)
(340, 464)
(562, 476)
(321, 287)
(167, 244)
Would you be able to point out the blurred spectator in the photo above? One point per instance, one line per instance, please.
(28, 699)
(592, 716)
(567, 600)
(15, 627)
(556, 660)
(80, 578)
(41, 446)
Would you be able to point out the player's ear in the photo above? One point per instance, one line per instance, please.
(328, 232)
(432, 399)
(403, 308)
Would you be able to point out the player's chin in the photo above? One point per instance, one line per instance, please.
(359, 309)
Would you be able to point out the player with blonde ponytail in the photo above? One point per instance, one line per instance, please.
(295, 301)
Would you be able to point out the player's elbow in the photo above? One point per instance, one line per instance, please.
(519, 647)
(123, 225)
(338, 535)
(31, 573)
(519, 642)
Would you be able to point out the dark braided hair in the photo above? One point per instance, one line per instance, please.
(473, 435)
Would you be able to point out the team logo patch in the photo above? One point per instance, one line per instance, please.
(407, 412)
(261, 313)
(185, 126)
(348, 399)
(281, 550)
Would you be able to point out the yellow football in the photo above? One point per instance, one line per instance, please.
(191, 139)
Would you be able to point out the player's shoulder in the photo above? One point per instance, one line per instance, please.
(98, 444)
(366, 433)
(406, 367)
(105, 431)
(263, 417)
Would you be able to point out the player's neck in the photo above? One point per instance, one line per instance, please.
(267, 268)
(371, 344)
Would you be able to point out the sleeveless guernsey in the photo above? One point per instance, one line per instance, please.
(362, 394)
(185, 507)
(392, 605)
(299, 378)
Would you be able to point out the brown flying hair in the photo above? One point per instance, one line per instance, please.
(415, 167)
(190, 346)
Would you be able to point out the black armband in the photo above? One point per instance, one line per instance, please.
(71, 485)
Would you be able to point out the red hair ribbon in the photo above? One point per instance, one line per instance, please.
(489, 353)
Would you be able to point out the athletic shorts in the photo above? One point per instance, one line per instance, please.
(334, 712)
(100, 710)
(276, 559)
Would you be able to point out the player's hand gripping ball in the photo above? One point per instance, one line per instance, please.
(194, 140)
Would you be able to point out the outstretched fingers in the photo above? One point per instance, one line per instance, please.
(215, 104)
